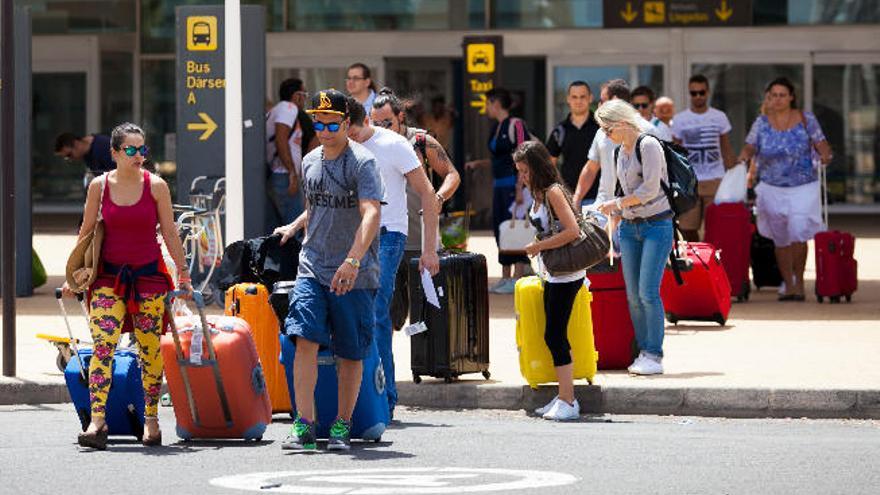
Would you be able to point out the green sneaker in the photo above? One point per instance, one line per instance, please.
(301, 437)
(340, 435)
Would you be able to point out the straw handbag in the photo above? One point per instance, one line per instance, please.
(85, 259)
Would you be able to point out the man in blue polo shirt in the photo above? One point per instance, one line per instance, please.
(93, 149)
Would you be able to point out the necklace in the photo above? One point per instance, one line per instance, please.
(326, 173)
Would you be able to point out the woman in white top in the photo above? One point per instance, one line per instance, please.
(536, 170)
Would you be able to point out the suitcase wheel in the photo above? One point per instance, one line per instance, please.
(377, 440)
(720, 319)
(487, 375)
(417, 379)
(672, 318)
(835, 299)
(819, 299)
(447, 379)
(849, 298)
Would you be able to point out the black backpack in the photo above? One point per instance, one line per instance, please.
(681, 191)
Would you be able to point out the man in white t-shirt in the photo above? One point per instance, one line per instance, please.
(705, 132)
(399, 166)
(285, 161)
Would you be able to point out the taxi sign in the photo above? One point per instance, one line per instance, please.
(481, 58)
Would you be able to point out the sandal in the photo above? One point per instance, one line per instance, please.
(96, 440)
(155, 441)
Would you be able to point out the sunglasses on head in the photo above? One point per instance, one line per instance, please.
(133, 150)
(641, 105)
(701, 92)
(332, 127)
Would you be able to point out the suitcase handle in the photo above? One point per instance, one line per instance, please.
(212, 357)
(59, 294)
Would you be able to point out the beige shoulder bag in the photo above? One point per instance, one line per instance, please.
(85, 260)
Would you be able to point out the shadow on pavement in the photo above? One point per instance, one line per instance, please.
(683, 376)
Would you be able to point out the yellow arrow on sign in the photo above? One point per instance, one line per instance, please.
(207, 125)
(480, 103)
(724, 12)
(629, 14)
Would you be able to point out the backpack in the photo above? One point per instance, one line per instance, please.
(530, 136)
(681, 190)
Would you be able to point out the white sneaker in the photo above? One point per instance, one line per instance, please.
(563, 411)
(637, 360)
(647, 364)
(543, 410)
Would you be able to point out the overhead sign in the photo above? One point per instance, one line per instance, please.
(676, 13)
(481, 53)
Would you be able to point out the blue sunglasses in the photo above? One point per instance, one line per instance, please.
(133, 150)
(332, 127)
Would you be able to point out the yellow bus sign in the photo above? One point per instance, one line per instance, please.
(201, 33)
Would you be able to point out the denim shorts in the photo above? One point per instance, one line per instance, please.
(342, 323)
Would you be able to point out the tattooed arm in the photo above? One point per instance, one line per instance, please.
(440, 163)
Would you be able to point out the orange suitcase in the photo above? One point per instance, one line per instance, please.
(250, 302)
(214, 376)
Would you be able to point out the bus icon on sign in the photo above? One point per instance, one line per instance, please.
(201, 33)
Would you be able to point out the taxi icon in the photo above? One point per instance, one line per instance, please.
(201, 33)
(480, 57)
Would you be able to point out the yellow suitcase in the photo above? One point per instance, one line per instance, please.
(535, 361)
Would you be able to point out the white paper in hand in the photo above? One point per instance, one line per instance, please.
(430, 291)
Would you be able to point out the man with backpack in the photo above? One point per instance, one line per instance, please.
(570, 140)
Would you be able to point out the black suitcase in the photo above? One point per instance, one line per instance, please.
(456, 341)
(765, 270)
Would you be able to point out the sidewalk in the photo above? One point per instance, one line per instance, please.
(772, 359)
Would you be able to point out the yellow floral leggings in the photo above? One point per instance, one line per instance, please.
(107, 315)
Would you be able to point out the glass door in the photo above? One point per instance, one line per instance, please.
(846, 100)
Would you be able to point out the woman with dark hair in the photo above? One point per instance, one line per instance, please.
(537, 171)
(133, 279)
(507, 133)
(360, 85)
(786, 143)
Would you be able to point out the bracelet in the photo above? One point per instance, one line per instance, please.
(441, 198)
(353, 262)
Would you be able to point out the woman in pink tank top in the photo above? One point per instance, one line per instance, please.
(133, 279)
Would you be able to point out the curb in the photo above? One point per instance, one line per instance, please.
(710, 402)
(717, 402)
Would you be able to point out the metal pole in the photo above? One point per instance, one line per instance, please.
(7, 203)
(234, 124)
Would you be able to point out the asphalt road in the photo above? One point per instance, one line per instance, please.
(459, 452)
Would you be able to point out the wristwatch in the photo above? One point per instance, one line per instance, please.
(353, 262)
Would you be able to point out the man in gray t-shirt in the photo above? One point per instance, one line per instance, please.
(333, 302)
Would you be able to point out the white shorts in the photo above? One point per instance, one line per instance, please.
(789, 214)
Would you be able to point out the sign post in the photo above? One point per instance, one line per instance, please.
(482, 72)
(205, 146)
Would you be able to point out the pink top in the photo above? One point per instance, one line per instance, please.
(130, 243)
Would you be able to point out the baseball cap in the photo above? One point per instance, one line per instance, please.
(328, 101)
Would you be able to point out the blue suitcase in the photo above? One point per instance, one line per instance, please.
(371, 415)
(125, 405)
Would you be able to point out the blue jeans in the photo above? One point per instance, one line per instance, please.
(287, 207)
(391, 245)
(644, 250)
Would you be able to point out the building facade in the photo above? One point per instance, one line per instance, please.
(100, 62)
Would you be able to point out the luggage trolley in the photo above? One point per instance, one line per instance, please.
(200, 227)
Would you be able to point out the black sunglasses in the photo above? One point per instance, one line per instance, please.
(641, 105)
(385, 124)
(701, 92)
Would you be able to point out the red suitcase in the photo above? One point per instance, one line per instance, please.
(705, 294)
(836, 267)
(219, 391)
(729, 229)
(612, 327)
